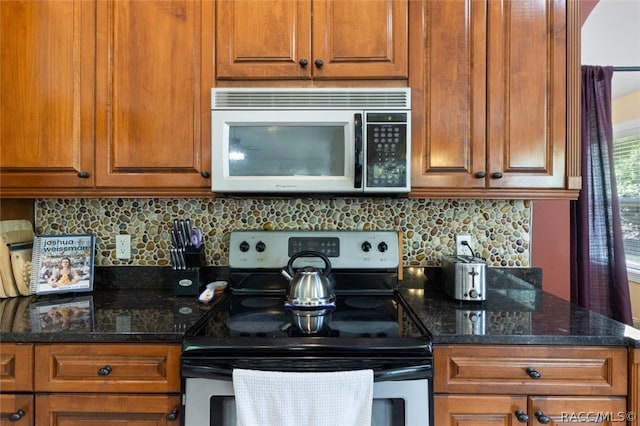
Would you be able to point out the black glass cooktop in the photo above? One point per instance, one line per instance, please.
(359, 323)
(371, 326)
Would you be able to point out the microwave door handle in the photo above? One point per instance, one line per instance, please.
(359, 154)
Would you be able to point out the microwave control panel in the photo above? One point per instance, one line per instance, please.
(386, 141)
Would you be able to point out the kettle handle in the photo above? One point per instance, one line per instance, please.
(310, 253)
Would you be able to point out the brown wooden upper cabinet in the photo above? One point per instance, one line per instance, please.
(311, 39)
(46, 94)
(107, 94)
(490, 81)
(153, 102)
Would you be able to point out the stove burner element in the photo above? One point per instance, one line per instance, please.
(256, 323)
(363, 302)
(259, 302)
(364, 324)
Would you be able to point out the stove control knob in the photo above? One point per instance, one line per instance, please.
(382, 247)
(366, 246)
(244, 247)
(260, 246)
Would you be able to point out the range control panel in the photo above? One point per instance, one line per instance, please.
(345, 249)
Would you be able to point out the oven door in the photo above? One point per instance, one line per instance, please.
(210, 402)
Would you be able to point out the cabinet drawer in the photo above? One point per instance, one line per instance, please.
(531, 370)
(16, 367)
(107, 410)
(107, 368)
(606, 411)
(19, 407)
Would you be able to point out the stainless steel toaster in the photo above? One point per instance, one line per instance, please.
(465, 277)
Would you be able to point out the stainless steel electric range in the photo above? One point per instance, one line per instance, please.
(370, 327)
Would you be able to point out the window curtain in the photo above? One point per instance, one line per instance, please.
(598, 268)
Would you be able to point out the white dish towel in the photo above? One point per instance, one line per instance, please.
(273, 398)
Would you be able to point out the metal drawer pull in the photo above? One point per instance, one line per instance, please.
(542, 418)
(104, 371)
(533, 373)
(172, 416)
(14, 417)
(522, 416)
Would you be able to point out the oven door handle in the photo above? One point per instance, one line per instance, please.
(207, 372)
(416, 372)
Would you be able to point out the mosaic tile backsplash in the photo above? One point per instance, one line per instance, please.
(500, 229)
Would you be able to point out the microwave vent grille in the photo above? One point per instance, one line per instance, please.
(311, 99)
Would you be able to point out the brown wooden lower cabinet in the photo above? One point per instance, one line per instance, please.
(105, 410)
(486, 410)
(634, 386)
(506, 410)
(16, 384)
(16, 409)
(485, 385)
(90, 384)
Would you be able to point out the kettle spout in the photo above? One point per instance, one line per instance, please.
(286, 274)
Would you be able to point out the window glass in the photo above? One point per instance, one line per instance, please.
(626, 158)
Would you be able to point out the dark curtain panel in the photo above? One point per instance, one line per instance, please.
(598, 267)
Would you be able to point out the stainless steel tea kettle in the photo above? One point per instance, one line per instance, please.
(309, 287)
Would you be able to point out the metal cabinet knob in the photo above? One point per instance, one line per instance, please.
(533, 373)
(480, 175)
(303, 63)
(104, 371)
(172, 416)
(83, 175)
(14, 417)
(318, 63)
(205, 174)
(497, 175)
(521, 416)
(542, 418)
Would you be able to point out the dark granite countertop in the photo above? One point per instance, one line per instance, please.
(136, 304)
(133, 304)
(516, 311)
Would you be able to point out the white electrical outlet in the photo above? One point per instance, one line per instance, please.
(123, 246)
(461, 249)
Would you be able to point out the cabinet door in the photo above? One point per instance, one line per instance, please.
(490, 81)
(526, 72)
(319, 39)
(258, 39)
(561, 410)
(46, 95)
(360, 39)
(450, 93)
(16, 409)
(153, 102)
(106, 410)
(479, 410)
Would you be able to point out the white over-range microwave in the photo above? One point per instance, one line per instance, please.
(316, 140)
